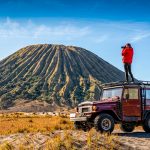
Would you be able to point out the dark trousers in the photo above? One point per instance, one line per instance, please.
(127, 68)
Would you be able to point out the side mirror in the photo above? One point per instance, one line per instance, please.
(127, 96)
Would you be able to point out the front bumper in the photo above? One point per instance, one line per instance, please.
(79, 117)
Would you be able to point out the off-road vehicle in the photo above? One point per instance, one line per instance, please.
(127, 104)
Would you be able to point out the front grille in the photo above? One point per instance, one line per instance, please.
(85, 109)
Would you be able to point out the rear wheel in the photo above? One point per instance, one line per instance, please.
(104, 123)
(127, 127)
(146, 124)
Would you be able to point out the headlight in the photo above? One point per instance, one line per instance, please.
(94, 108)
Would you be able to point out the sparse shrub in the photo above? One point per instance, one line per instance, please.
(95, 140)
(57, 127)
(48, 128)
(22, 147)
(7, 146)
(63, 121)
(30, 120)
(23, 130)
(18, 122)
(64, 142)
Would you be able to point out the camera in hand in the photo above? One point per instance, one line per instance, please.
(122, 46)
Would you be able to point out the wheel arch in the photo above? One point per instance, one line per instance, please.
(110, 112)
(146, 114)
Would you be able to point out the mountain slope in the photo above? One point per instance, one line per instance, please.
(54, 73)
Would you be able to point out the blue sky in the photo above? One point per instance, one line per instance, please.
(101, 26)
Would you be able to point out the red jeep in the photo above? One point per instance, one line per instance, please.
(127, 104)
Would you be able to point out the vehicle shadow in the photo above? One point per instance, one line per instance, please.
(134, 134)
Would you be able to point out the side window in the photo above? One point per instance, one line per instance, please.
(133, 93)
(148, 94)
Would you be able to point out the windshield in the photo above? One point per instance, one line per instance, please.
(111, 93)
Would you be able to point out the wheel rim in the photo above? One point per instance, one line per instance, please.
(106, 124)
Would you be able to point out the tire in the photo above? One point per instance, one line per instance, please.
(104, 123)
(146, 124)
(127, 127)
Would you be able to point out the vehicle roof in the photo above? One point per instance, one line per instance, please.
(142, 84)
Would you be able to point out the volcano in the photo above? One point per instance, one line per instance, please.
(66, 75)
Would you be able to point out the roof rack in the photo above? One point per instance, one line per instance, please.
(145, 82)
(126, 83)
(115, 83)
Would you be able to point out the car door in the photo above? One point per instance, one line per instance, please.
(131, 104)
(147, 107)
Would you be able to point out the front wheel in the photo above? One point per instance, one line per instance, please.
(127, 127)
(146, 124)
(104, 123)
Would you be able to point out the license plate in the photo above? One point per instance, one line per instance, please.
(72, 115)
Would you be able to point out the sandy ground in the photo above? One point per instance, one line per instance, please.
(137, 140)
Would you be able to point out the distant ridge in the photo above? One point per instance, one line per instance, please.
(62, 74)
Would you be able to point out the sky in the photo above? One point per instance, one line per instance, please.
(101, 26)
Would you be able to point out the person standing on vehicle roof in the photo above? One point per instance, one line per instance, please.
(127, 56)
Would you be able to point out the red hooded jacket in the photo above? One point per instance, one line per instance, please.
(127, 55)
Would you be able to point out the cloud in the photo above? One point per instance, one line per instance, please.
(67, 31)
(140, 36)
(99, 39)
(107, 35)
(10, 28)
(60, 31)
